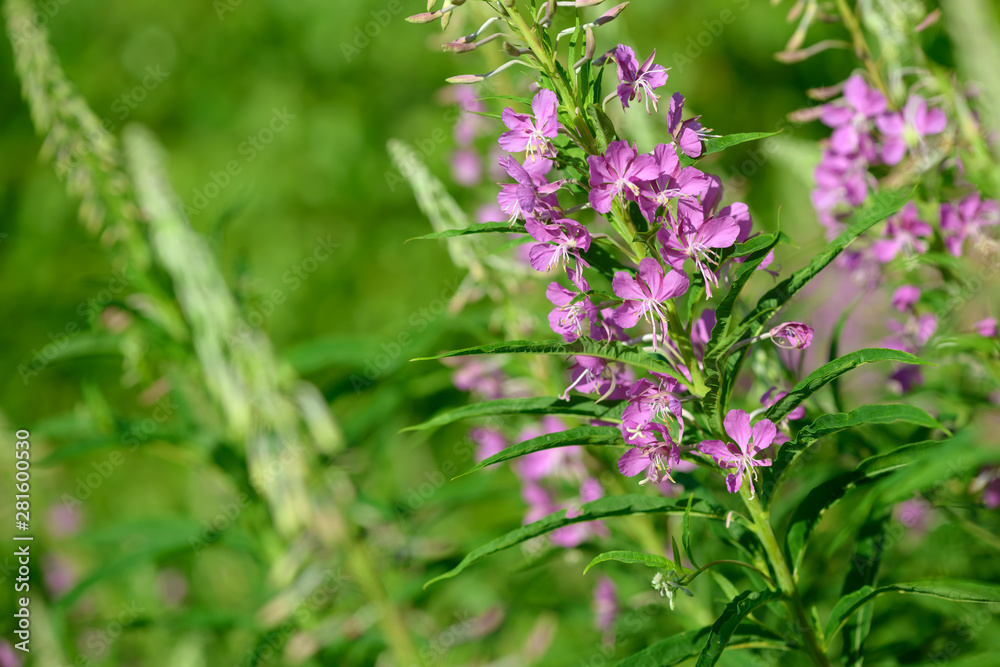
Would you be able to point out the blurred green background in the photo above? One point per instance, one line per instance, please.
(289, 94)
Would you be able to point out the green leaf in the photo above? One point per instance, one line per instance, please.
(833, 423)
(947, 589)
(812, 508)
(878, 207)
(649, 560)
(598, 509)
(481, 228)
(583, 435)
(670, 651)
(863, 572)
(610, 350)
(686, 531)
(738, 609)
(717, 144)
(578, 406)
(832, 370)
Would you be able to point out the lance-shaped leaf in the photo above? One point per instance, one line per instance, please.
(947, 589)
(577, 406)
(599, 509)
(863, 573)
(878, 207)
(683, 646)
(718, 144)
(808, 513)
(725, 626)
(833, 423)
(832, 370)
(638, 557)
(609, 350)
(583, 435)
(482, 228)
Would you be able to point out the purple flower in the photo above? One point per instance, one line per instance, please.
(913, 513)
(987, 327)
(966, 219)
(792, 335)
(645, 294)
(541, 504)
(605, 604)
(913, 334)
(557, 242)
(557, 462)
(687, 133)
(8, 656)
(567, 318)
(904, 231)
(696, 235)
(904, 297)
(908, 128)
(466, 167)
(480, 378)
(988, 481)
(649, 402)
(64, 520)
(532, 196)
(841, 182)
(621, 170)
(638, 80)
(654, 457)
(672, 183)
(595, 375)
(749, 442)
(532, 134)
(851, 117)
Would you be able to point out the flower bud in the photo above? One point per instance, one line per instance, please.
(792, 335)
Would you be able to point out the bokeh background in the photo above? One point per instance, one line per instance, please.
(275, 117)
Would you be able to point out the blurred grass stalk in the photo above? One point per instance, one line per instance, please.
(975, 32)
(130, 204)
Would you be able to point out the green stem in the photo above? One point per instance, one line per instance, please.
(786, 582)
(730, 562)
(861, 46)
(682, 338)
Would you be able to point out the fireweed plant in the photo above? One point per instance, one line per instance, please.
(666, 363)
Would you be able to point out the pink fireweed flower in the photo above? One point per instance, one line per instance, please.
(673, 182)
(966, 219)
(620, 171)
(557, 242)
(912, 335)
(792, 335)
(908, 128)
(563, 462)
(904, 297)
(591, 375)
(649, 401)
(466, 167)
(654, 457)
(638, 80)
(988, 483)
(531, 196)
(852, 115)
(904, 232)
(687, 134)
(644, 295)
(532, 134)
(987, 327)
(567, 318)
(541, 504)
(913, 513)
(8, 656)
(749, 442)
(697, 236)
(482, 379)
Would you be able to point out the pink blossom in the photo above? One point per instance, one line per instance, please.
(748, 443)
